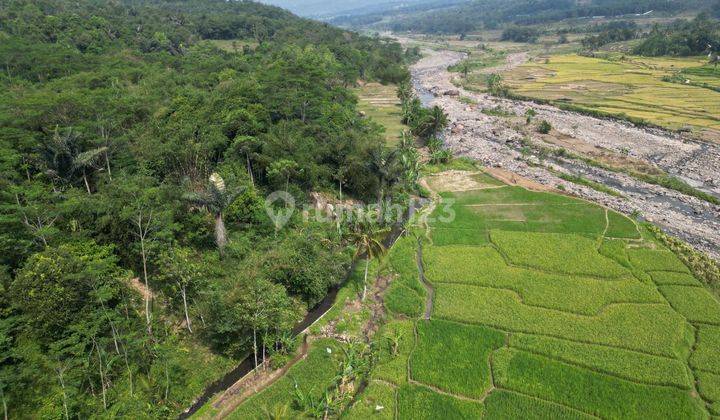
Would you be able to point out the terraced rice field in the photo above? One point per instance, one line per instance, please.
(632, 86)
(380, 102)
(523, 305)
(536, 305)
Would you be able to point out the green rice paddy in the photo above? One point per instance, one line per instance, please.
(541, 306)
(544, 306)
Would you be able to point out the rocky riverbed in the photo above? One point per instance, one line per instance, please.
(499, 141)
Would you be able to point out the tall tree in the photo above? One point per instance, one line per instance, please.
(364, 236)
(215, 198)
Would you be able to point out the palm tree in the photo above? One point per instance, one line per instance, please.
(215, 199)
(434, 122)
(364, 236)
(64, 157)
(384, 164)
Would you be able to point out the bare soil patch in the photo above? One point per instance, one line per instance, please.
(457, 181)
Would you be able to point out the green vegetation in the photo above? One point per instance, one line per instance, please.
(378, 403)
(417, 402)
(440, 358)
(577, 179)
(557, 253)
(590, 392)
(633, 366)
(485, 267)
(656, 260)
(137, 145)
(695, 303)
(397, 340)
(313, 376)
(509, 405)
(597, 321)
(381, 104)
(652, 328)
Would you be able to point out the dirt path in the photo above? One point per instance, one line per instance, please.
(253, 384)
(500, 143)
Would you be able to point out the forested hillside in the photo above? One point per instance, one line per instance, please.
(136, 260)
(491, 14)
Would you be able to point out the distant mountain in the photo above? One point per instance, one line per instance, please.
(467, 16)
(328, 9)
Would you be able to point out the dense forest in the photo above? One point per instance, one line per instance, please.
(682, 38)
(137, 262)
(491, 14)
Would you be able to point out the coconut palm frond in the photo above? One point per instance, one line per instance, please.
(89, 158)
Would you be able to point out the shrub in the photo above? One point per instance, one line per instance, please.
(544, 127)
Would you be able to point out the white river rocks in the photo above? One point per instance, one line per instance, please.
(497, 142)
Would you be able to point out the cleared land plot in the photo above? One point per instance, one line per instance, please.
(567, 254)
(517, 209)
(381, 104)
(591, 392)
(454, 357)
(632, 86)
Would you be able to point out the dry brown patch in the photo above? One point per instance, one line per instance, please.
(512, 178)
(600, 154)
(456, 181)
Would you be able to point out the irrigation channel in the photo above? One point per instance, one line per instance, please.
(247, 365)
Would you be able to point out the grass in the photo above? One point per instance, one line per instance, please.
(381, 104)
(378, 402)
(450, 236)
(634, 366)
(419, 403)
(591, 392)
(392, 365)
(695, 303)
(567, 254)
(615, 250)
(454, 357)
(620, 226)
(655, 329)
(632, 88)
(576, 179)
(405, 295)
(508, 405)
